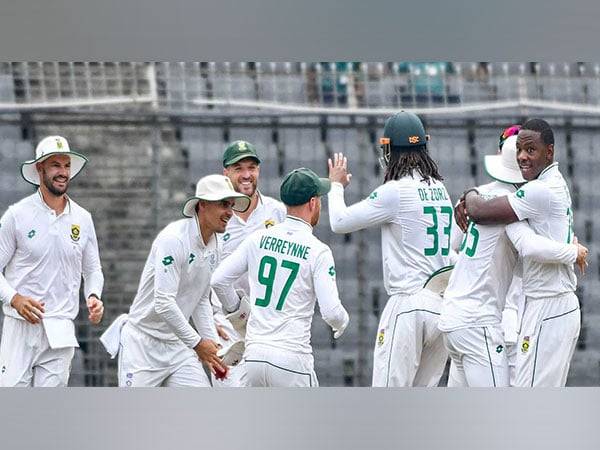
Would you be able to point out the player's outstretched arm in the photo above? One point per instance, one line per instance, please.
(228, 271)
(378, 208)
(542, 249)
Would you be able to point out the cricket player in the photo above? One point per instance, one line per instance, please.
(475, 296)
(551, 318)
(157, 346)
(47, 243)
(241, 165)
(288, 270)
(414, 212)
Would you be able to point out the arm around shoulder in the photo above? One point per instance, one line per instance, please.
(495, 211)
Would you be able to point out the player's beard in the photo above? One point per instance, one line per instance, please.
(48, 182)
(249, 190)
(315, 218)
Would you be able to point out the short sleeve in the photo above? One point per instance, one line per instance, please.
(530, 201)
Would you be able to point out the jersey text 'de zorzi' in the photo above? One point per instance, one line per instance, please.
(416, 221)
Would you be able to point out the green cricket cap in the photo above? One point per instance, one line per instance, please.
(238, 150)
(300, 185)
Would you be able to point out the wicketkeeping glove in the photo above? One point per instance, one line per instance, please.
(232, 355)
(239, 318)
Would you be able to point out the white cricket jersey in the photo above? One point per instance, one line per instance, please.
(44, 256)
(288, 269)
(416, 221)
(484, 271)
(268, 212)
(482, 274)
(175, 285)
(546, 204)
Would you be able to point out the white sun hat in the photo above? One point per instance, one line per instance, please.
(49, 146)
(214, 188)
(504, 167)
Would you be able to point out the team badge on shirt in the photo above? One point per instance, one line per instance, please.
(212, 260)
(269, 223)
(381, 337)
(75, 232)
(226, 237)
(31, 234)
(520, 193)
(499, 349)
(167, 260)
(525, 345)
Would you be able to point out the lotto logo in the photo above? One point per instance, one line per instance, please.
(520, 193)
(168, 260)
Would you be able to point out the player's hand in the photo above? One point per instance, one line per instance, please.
(222, 333)
(338, 169)
(29, 309)
(207, 350)
(95, 308)
(582, 253)
(337, 332)
(460, 215)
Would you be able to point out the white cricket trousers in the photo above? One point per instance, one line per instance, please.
(479, 357)
(409, 349)
(26, 358)
(547, 338)
(268, 366)
(145, 361)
